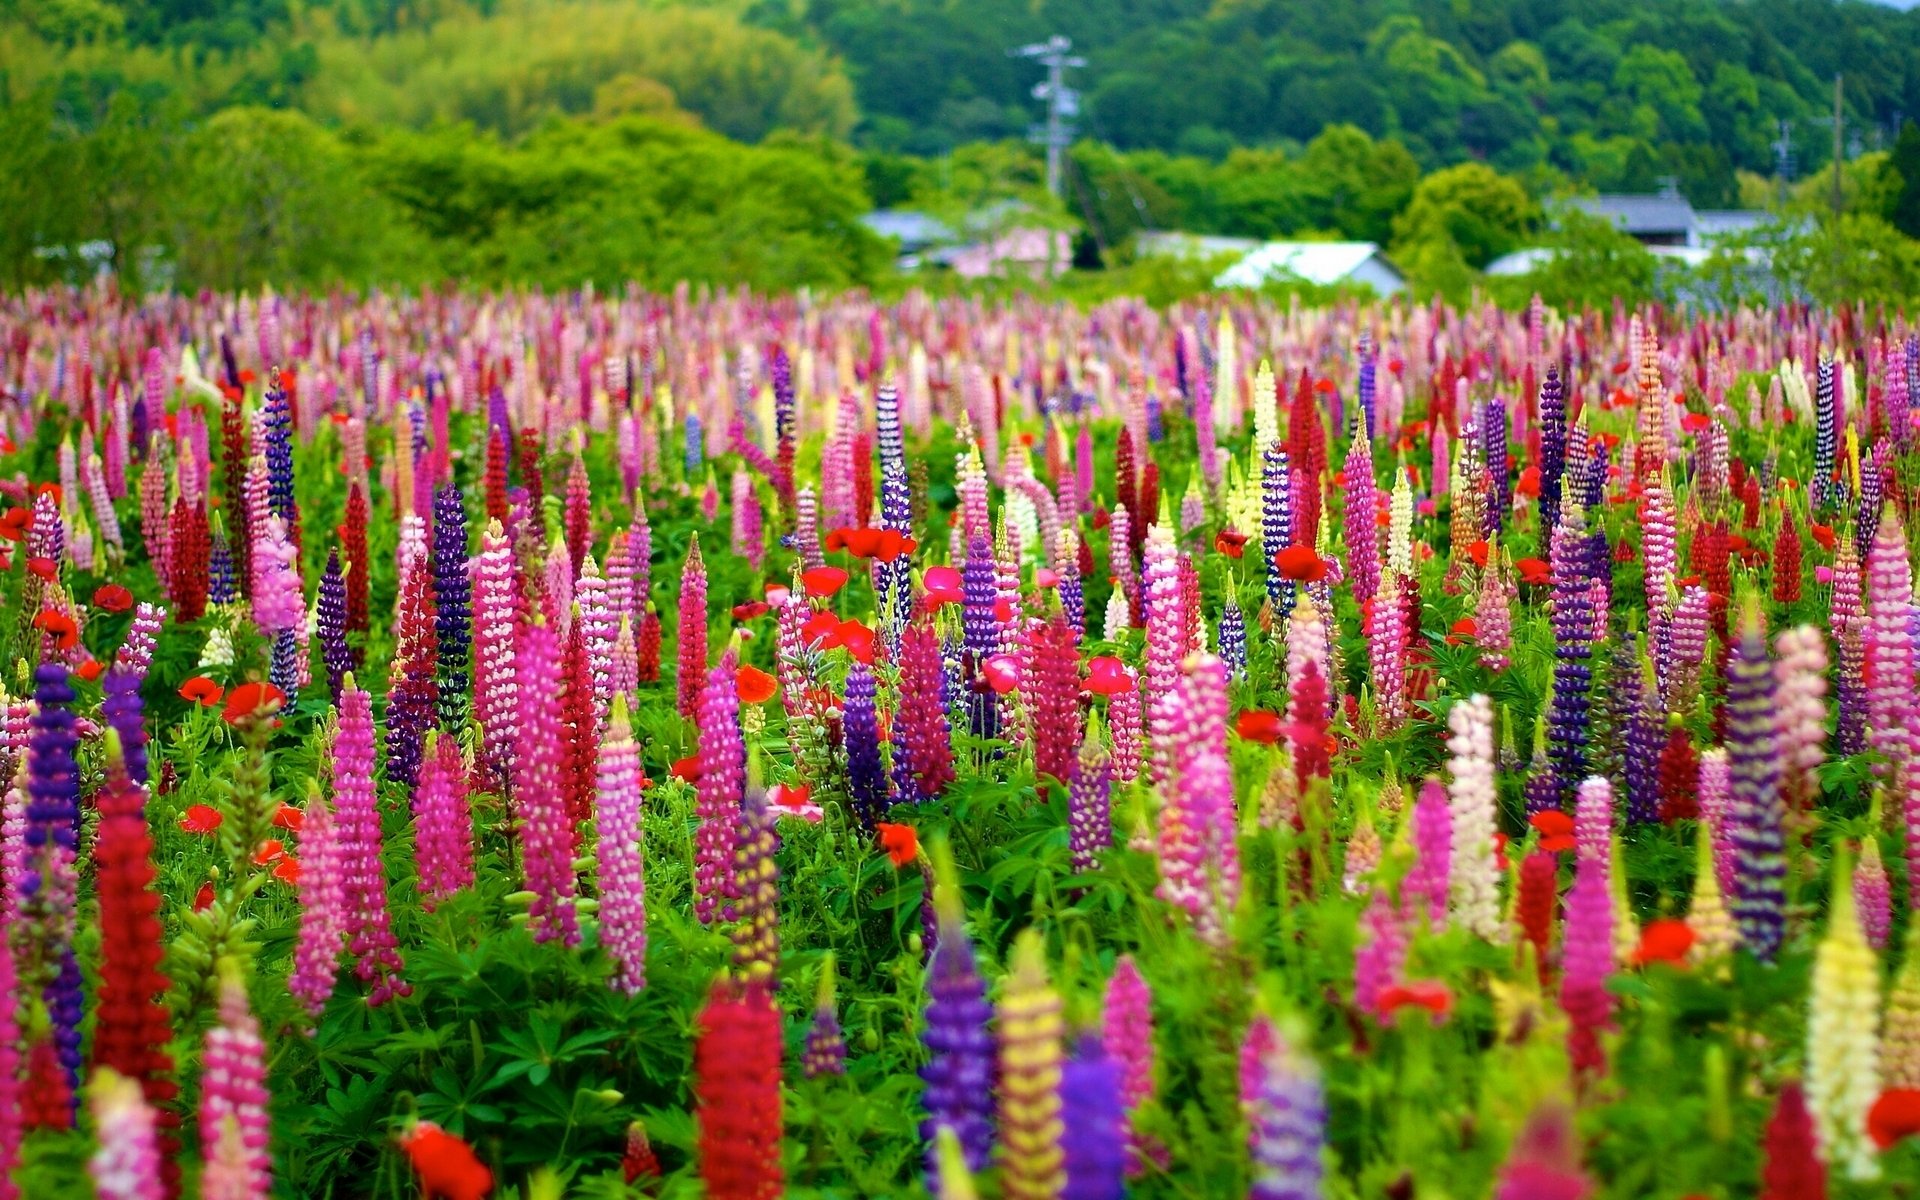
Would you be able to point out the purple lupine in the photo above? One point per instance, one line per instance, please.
(1572, 634)
(1493, 433)
(121, 706)
(982, 631)
(1553, 447)
(1093, 1139)
(276, 427)
(1757, 814)
(959, 1070)
(452, 604)
(1642, 734)
(1233, 637)
(722, 784)
(330, 615)
(369, 931)
(1287, 1120)
(223, 586)
(1089, 817)
(860, 726)
(1429, 881)
(622, 852)
(824, 1053)
(46, 890)
(539, 787)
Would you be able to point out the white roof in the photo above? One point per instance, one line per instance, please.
(1315, 262)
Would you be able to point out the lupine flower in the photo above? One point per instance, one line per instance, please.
(755, 893)
(46, 889)
(1363, 533)
(1553, 446)
(860, 725)
(443, 826)
(1793, 1170)
(692, 633)
(1428, 883)
(1900, 1039)
(324, 915)
(13, 1085)
(1843, 1077)
(1287, 1118)
(825, 1052)
(1166, 643)
(1050, 686)
(736, 1063)
(539, 788)
(1123, 717)
(369, 937)
(353, 542)
(1089, 818)
(452, 604)
(127, 1164)
(1380, 961)
(923, 744)
(960, 1068)
(1093, 1143)
(495, 688)
(1474, 880)
(1127, 1031)
(1588, 957)
(1544, 1163)
(1873, 894)
(1029, 1028)
(1756, 815)
(1714, 935)
(1572, 634)
(720, 789)
(621, 852)
(277, 602)
(413, 695)
(233, 1100)
(331, 618)
(1800, 671)
(1891, 705)
(1199, 852)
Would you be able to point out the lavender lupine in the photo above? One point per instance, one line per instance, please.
(539, 788)
(1094, 1122)
(46, 889)
(1089, 817)
(721, 786)
(1757, 815)
(370, 936)
(1287, 1125)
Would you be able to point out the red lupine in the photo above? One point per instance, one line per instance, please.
(1051, 687)
(1537, 903)
(582, 728)
(1793, 1169)
(1679, 778)
(1786, 562)
(189, 545)
(353, 536)
(736, 1064)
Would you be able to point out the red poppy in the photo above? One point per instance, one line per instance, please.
(203, 899)
(447, 1166)
(1003, 610)
(750, 610)
(822, 582)
(1895, 1115)
(1556, 830)
(50, 489)
(754, 684)
(821, 630)
(1429, 994)
(943, 586)
(289, 818)
(271, 850)
(287, 870)
(1300, 564)
(89, 670)
(1464, 630)
(1500, 851)
(791, 795)
(201, 818)
(1324, 386)
(44, 568)
(1822, 534)
(113, 598)
(1695, 422)
(1666, 940)
(857, 638)
(882, 545)
(202, 690)
(1258, 725)
(1107, 676)
(1230, 543)
(1529, 484)
(1534, 571)
(1477, 551)
(251, 699)
(686, 770)
(66, 635)
(1002, 673)
(14, 522)
(901, 842)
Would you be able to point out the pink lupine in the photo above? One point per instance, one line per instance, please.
(1120, 556)
(1892, 710)
(1873, 894)
(370, 937)
(443, 825)
(621, 853)
(127, 1164)
(278, 606)
(1380, 961)
(1800, 671)
(1127, 1030)
(1199, 851)
(1716, 804)
(1587, 954)
(625, 680)
(323, 909)
(1492, 615)
(1429, 881)
(599, 629)
(721, 786)
(1386, 654)
(495, 690)
(1362, 528)
(1166, 643)
(1475, 804)
(1658, 553)
(233, 1101)
(557, 576)
(1123, 718)
(12, 1083)
(154, 510)
(640, 554)
(539, 789)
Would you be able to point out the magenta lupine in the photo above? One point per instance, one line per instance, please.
(1126, 1025)
(640, 555)
(619, 575)
(1492, 615)
(1123, 720)
(720, 788)
(692, 631)
(1166, 644)
(1892, 710)
(1587, 955)
(1429, 881)
(557, 584)
(1199, 850)
(539, 788)
(495, 691)
(443, 825)
(323, 909)
(1050, 685)
(233, 1101)
(923, 743)
(1362, 524)
(621, 853)
(1380, 961)
(1873, 894)
(369, 936)
(1800, 672)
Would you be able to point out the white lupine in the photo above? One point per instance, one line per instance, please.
(1843, 1045)
(1400, 526)
(1473, 802)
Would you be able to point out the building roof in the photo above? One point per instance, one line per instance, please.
(1642, 216)
(1315, 262)
(912, 229)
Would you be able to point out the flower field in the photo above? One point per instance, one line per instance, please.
(719, 744)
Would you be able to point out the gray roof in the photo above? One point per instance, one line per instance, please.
(912, 229)
(1641, 215)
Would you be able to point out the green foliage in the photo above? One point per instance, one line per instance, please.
(1853, 259)
(1591, 263)
(1460, 219)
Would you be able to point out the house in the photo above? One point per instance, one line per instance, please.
(1667, 219)
(995, 240)
(1324, 263)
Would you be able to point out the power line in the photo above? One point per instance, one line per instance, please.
(1062, 103)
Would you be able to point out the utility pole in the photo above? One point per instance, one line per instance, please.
(1062, 103)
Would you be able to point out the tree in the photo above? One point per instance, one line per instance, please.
(1905, 164)
(1469, 213)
